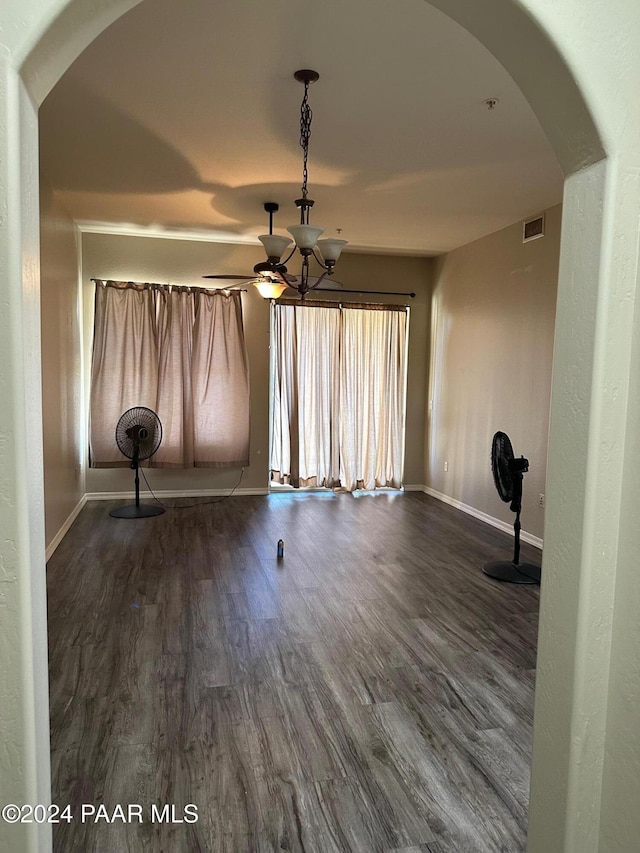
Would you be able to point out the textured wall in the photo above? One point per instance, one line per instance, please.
(24, 715)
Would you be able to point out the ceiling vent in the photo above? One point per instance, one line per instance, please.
(533, 228)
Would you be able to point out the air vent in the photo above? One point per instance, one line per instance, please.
(533, 228)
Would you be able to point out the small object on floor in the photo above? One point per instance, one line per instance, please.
(280, 548)
(135, 606)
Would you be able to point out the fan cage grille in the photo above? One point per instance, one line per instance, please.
(501, 457)
(139, 427)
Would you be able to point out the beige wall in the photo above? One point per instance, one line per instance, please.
(134, 258)
(61, 371)
(493, 315)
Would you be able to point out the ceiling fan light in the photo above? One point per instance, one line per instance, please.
(331, 248)
(306, 236)
(274, 245)
(269, 290)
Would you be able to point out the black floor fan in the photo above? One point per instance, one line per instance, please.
(138, 436)
(508, 473)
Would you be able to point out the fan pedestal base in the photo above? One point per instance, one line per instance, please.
(503, 570)
(133, 511)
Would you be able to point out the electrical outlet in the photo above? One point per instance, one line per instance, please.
(446, 466)
(541, 500)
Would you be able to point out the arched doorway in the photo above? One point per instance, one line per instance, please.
(587, 549)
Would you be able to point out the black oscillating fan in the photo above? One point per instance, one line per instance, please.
(138, 436)
(508, 473)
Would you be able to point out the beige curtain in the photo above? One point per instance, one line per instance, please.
(181, 352)
(176, 314)
(338, 395)
(220, 382)
(124, 366)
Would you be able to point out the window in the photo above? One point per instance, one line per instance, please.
(338, 395)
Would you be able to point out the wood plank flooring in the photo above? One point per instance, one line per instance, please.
(371, 692)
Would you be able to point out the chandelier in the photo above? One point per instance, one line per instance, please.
(325, 252)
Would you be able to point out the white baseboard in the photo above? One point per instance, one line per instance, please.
(57, 539)
(481, 516)
(173, 493)
(214, 493)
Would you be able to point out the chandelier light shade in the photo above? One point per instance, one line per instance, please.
(325, 252)
(331, 248)
(275, 246)
(306, 236)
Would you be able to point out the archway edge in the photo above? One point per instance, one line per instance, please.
(527, 52)
(58, 36)
(42, 37)
(505, 27)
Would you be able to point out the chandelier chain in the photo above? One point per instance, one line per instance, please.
(325, 252)
(305, 134)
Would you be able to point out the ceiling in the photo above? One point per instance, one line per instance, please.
(184, 117)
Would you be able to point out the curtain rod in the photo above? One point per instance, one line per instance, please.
(338, 290)
(168, 284)
(340, 303)
(244, 290)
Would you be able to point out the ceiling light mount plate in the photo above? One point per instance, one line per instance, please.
(306, 76)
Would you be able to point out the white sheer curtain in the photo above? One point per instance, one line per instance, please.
(305, 395)
(372, 398)
(338, 395)
(181, 352)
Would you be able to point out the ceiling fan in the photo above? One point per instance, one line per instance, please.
(271, 277)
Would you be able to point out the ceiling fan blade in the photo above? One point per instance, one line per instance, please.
(231, 277)
(327, 283)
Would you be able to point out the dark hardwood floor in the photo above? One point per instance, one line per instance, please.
(372, 691)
